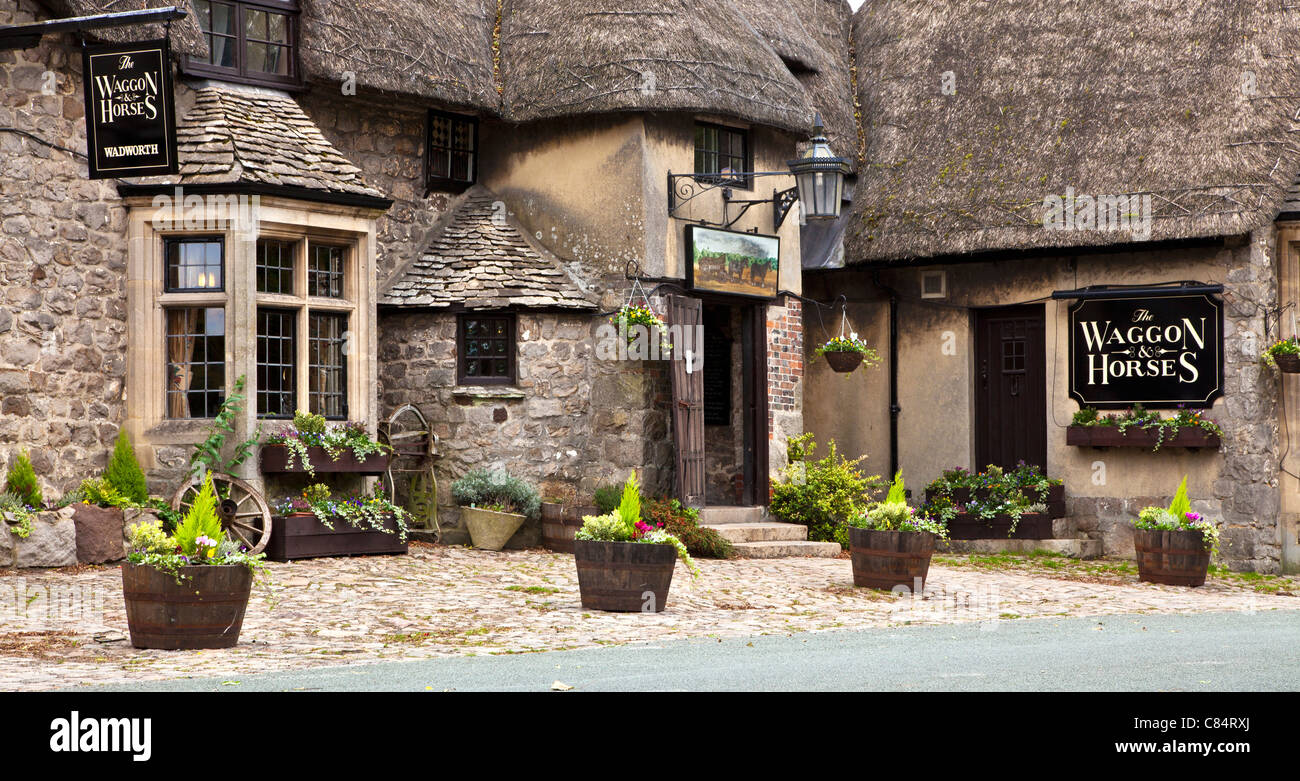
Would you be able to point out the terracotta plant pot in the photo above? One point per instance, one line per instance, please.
(205, 610)
(490, 530)
(1172, 558)
(888, 559)
(625, 577)
(843, 362)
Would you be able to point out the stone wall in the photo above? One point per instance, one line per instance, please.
(62, 264)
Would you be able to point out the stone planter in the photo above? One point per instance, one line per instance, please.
(99, 533)
(303, 536)
(626, 577)
(888, 559)
(490, 530)
(51, 543)
(205, 610)
(274, 460)
(1172, 558)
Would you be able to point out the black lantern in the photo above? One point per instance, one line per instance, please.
(819, 175)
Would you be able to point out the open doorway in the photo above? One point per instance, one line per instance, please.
(735, 403)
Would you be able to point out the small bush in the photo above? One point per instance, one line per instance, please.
(481, 487)
(21, 481)
(683, 523)
(607, 498)
(124, 472)
(822, 494)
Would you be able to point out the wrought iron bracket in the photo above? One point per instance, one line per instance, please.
(684, 188)
(25, 36)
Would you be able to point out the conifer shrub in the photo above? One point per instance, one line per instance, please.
(124, 472)
(21, 481)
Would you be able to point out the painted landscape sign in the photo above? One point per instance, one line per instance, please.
(723, 261)
(1157, 351)
(130, 122)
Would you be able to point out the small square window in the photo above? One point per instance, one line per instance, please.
(485, 346)
(275, 266)
(452, 152)
(325, 271)
(720, 154)
(195, 265)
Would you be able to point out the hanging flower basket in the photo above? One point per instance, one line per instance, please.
(844, 354)
(1285, 355)
(843, 362)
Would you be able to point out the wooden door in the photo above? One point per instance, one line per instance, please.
(688, 398)
(1010, 387)
(754, 393)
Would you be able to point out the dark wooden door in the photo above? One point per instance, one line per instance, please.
(754, 393)
(688, 398)
(1010, 387)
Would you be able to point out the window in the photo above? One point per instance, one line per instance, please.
(253, 41)
(326, 335)
(485, 346)
(196, 361)
(275, 267)
(276, 363)
(452, 151)
(194, 265)
(720, 153)
(325, 271)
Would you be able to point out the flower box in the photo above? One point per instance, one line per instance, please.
(1055, 500)
(1032, 526)
(274, 459)
(1111, 436)
(305, 537)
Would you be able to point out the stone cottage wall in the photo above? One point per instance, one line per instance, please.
(62, 271)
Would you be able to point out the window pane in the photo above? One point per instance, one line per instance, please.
(486, 345)
(256, 54)
(451, 150)
(327, 370)
(278, 28)
(325, 271)
(223, 18)
(196, 362)
(275, 266)
(276, 373)
(194, 264)
(255, 24)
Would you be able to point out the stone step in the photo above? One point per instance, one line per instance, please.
(770, 531)
(713, 516)
(786, 549)
(1075, 548)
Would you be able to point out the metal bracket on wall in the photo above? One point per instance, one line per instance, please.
(684, 188)
(25, 36)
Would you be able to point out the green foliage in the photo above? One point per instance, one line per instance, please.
(894, 514)
(124, 472)
(14, 510)
(1180, 506)
(309, 423)
(1178, 516)
(100, 493)
(21, 481)
(1281, 347)
(822, 494)
(897, 493)
(629, 507)
(149, 537)
(1149, 420)
(603, 528)
(850, 344)
(316, 493)
(208, 454)
(481, 487)
(607, 498)
(200, 522)
(310, 430)
(683, 523)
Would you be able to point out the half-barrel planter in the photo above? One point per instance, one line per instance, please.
(560, 522)
(204, 610)
(627, 577)
(886, 559)
(1171, 558)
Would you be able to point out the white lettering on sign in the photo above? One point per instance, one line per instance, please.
(1143, 348)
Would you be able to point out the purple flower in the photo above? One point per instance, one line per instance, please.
(1193, 516)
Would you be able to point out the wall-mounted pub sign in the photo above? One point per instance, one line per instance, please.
(724, 261)
(1157, 351)
(130, 111)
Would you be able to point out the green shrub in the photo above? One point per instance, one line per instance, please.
(21, 481)
(822, 494)
(481, 487)
(607, 498)
(684, 524)
(124, 472)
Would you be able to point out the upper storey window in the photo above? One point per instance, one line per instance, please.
(254, 42)
(721, 154)
(452, 152)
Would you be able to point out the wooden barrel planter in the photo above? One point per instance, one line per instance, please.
(205, 610)
(560, 522)
(1288, 364)
(1172, 558)
(843, 362)
(626, 577)
(884, 560)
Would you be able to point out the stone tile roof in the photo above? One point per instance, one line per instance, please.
(234, 135)
(481, 258)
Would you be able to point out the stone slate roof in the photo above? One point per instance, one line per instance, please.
(481, 258)
(241, 135)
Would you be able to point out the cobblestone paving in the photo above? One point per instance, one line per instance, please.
(67, 628)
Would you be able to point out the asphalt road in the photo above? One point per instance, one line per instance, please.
(1202, 652)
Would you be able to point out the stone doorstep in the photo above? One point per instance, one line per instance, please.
(713, 516)
(786, 549)
(760, 532)
(1075, 548)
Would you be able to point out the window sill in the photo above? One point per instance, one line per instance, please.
(487, 393)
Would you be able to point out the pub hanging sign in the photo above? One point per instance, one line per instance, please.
(130, 111)
(1157, 351)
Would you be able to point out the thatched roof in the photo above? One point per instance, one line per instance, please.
(480, 257)
(830, 90)
(595, 56)
(187, 38)
(436, 49)
(1191, 103)
(782, 24)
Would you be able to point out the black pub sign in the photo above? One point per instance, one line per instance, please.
(130, 112)
(1157, 351)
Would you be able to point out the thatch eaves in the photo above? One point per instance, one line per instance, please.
(1191, 104)
(598, 56)
(187, 38)
(435, 49)
(783, 25)
(830, 90)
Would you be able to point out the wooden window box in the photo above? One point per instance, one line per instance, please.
(1111, 436)
(1055, 500)
(1032, 526)
(274, 460)
(305, 537)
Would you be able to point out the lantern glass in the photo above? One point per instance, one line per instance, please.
(819, 175)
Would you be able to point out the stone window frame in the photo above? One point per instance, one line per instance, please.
(271, 217)
(512, 376)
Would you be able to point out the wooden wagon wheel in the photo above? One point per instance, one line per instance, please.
(245, 515)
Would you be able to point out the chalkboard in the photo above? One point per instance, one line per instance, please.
(717, 378)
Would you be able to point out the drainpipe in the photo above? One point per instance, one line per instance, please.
(894, 409)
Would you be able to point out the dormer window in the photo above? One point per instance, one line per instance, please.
(452, 152)
(249, 41)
